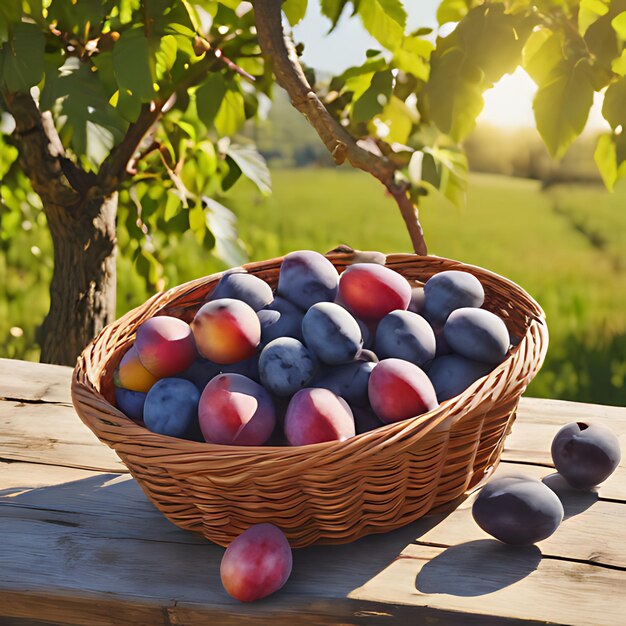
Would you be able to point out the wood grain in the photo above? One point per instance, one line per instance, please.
(52, 434)
(34, 382)
(486, 577)
(83, 545)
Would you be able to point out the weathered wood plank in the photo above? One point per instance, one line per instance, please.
(51, 434)
(76, 533)
(485, 576)
(538, 422)
(592, 530)
(34, 382)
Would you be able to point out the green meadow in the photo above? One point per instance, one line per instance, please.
(566, 246)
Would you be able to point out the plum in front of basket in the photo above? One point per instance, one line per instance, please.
(310, 334)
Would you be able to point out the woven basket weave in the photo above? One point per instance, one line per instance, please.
(332, 492)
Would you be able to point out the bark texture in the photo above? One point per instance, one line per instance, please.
(81, 219)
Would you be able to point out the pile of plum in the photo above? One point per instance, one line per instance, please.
(324, 358)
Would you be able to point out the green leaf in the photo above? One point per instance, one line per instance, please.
(23, 57)
(234, 174)
(231, 114)
(619, 24)
(452, 11)
(442, 169)
(542, 52)
(618, 65)
(198, 221)
(605, 156)
(374, 98)
(486, 44)
(614, 106)
(589, 12)
(127, 105)
(453, 94)
(209, 97)
(412, 56)
(87, 121)
(395, 123)
(165, 55)
(10, 14)
(295, 10)
(132, 64)
(252, 165)
(333, 9)
(384, 20)
(562, 105)
(222, 223)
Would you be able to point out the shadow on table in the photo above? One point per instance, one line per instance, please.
(574, 501)
(476, 568)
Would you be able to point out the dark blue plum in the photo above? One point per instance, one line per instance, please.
(585, 454)
(477, 334)
(245, 287)
(171, 407)
(405, 335)
(130, 403)
(442, 344)
(248, 368)
(368, 355)
(449, 290)
(517, 510)
(416, 305)
(286, 366)
(349, 381)
(280, 319)
(452, 374)
(200, 372)
(307, 277)
(332, 333)
(365, 419)
(366, 333)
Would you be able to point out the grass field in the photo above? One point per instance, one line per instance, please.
(544, 241)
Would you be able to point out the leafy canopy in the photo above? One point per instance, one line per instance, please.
(97, 64)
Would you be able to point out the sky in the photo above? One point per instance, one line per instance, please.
(508, 104)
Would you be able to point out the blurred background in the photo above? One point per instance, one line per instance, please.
(549, 226)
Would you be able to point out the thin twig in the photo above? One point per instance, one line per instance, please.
(280, 51)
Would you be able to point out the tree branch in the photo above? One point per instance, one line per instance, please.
(114, 168)
(280, 51)
(54, 177)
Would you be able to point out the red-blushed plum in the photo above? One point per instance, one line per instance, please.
(332, 333)
(165, 345)
(348, 381)
(307, 277)
(371, 291)
(130, 403)
(280, 319)
(416, 305)
(398, 390)
(585, 454)
(477, 334)
(517, 510)
(452, 374)
(132, 375)
(248, 288)
(449, 290)
(226, 331)
(315, 415)
(405, 335)
(234, 410)
(286, 365)
(257, 563)
(365, 419)
(171, 407)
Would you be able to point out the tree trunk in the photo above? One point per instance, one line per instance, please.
(82, 291)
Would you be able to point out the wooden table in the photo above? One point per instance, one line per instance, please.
(80, 543)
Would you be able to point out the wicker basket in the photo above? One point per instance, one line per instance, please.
(332, 492)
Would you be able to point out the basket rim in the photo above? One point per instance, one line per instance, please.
(84, 387)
